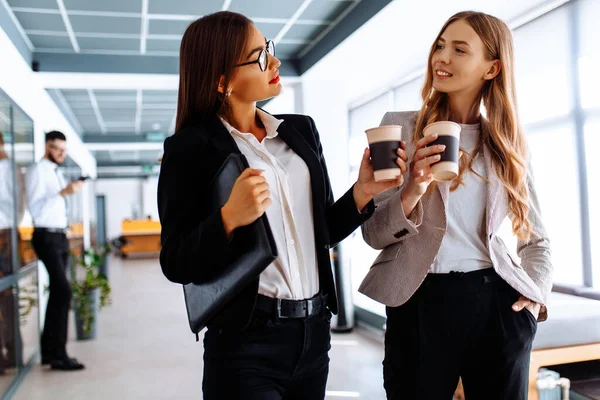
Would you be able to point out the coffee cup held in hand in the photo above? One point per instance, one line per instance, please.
(384, 142)
(448, 134)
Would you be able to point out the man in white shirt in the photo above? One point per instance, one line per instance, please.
(46, 195)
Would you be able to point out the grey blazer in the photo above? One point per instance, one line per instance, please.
(410, 245)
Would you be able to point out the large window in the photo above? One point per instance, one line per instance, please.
(408, 96)
(361, 255)
(592, 142)
(542, 54)
(554, 165)
(589, 57)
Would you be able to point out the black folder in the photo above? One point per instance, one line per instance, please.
(255, 251)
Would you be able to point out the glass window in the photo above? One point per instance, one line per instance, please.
(592, 141)
(72, 171)
(8, 341)
(542, 54)
(7, 187)
(589, 34)
(29, 315)
(367, 116)
(360, 254)
(284, 103)
(24, 158)
(408, 96)
(554, 163)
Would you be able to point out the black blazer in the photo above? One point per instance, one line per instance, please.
(194, 243)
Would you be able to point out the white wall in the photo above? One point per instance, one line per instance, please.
(391, 46)
(22, 85)
(149, 190)
(285, 103)
(122, 196)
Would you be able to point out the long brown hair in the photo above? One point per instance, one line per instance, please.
(501, 131)
(211, 47)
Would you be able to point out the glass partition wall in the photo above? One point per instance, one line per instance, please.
(19, 313)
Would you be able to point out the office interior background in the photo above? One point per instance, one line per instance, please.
(105, 73)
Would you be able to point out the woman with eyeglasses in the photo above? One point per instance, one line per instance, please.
(274, 343)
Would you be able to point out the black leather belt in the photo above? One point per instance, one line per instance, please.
(51, 230)
(284, 308)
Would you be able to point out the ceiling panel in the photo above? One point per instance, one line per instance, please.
(90, 125)
(325, 9)
(150, 154)
(74, 93)
(162, 27)
(185, 7)
(117, 93)
(104, 5)
(162, 45)
(266, 9)
(86, 116)
(102, 155)
(124, 155)
(51, 42)
(159, 95)
(108, 44)
(150, 117)
(115, 107)
(304, 32)
(287, 51)
(160, 117)
(157, 126)
(269, 30)
(112, 25)
(118, 115)
(118, 109)
(42, 22)
(48, 4)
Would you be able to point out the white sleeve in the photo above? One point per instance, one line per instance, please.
(38, 192)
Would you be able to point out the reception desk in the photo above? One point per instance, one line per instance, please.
(141, 237)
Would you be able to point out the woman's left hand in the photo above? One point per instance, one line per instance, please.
(524, 302)
(366, 187)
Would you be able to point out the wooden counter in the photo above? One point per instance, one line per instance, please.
(142, 237)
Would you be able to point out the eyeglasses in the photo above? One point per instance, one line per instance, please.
(263, 57)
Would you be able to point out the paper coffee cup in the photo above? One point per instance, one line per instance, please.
(384, 142)
(448, 134)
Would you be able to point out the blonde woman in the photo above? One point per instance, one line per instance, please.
(458, 305)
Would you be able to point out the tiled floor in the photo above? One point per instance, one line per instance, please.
(146, 351)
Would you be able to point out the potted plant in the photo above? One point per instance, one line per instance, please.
(91, 292)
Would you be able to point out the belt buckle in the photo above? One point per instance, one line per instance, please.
(309, 307)
(279, 310)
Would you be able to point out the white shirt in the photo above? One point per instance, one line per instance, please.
(294, 274)
(7, 211)
(464, 247)
(44, 183)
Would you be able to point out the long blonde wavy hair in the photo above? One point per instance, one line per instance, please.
(501, 132)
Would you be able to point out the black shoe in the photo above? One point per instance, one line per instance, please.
(66, 364)
(48, 360)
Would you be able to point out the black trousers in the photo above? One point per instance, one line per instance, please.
(273, 359)
(459, 325)
(53, 250)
